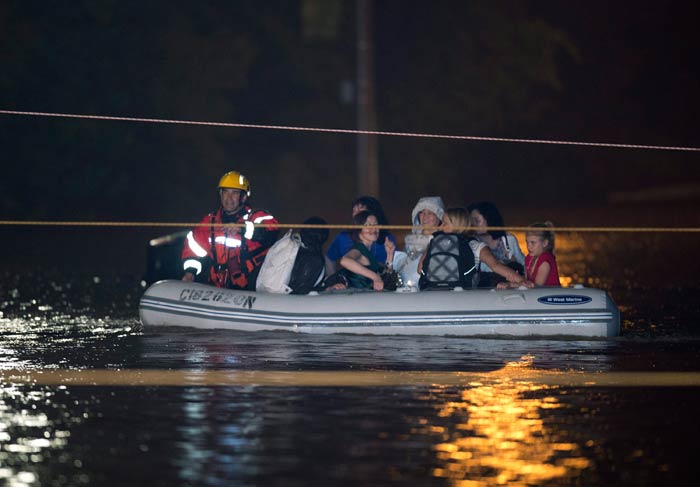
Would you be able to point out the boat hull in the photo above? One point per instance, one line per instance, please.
(520, 312)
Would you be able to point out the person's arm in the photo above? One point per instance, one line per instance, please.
(351, 262)
(390, 248)
(420, 262)
(338, 247)
(266, 236)
(196, 251)
(330, 266)
(513, 285)
(514, 245)
(542, 273)
(487, 258)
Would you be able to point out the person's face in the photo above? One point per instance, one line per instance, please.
(357, 209)
(447, 226)
(536, 245)
(428, 218)
(370, 232)
(477, 220)
(231, 199)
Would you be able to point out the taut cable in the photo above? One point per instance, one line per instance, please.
(351, 131)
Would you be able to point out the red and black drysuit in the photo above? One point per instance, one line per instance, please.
(232, 256)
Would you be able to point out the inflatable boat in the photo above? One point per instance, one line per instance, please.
(576, 311)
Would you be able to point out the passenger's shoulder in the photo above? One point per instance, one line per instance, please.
(344, 235)
(476, 245)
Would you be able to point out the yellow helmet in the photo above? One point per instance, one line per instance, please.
(236, 180)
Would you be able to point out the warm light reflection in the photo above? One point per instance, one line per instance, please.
(503, 439)
(570, 250)
(565, 281)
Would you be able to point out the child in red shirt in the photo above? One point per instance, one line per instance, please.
(540, 264)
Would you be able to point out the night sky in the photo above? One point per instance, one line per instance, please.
(623, 72)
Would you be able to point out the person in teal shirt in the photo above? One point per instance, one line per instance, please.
(362, 268)
(343, 241)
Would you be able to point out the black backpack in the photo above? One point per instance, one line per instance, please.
(309, 265)
(448, 263)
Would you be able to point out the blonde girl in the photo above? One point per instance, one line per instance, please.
(456, 220)
(540, 264)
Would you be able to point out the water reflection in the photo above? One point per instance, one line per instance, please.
(507, 425)
(67, 341)
(27, 434)
(216, 437)
(497, 435)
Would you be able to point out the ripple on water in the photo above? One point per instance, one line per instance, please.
(500, 429)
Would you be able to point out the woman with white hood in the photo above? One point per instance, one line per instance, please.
(426, 217)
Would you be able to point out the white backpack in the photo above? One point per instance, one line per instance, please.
(277, 267)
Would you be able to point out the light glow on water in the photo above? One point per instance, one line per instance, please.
(499, 437)
(371, 378)
(85, 391)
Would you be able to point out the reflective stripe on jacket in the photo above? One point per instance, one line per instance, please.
(231, 255)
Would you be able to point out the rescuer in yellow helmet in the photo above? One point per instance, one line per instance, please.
(234, 191)
(229, 256)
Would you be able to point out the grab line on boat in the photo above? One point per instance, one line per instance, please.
(372, 378)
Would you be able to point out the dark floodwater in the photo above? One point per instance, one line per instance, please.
(492, 416)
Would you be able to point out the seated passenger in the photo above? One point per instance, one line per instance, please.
(456, 222)
(343, 241)
(426, 216)
(540, 263)
(503, 245)
(360, 265)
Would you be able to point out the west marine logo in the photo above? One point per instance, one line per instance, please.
(566, 299)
